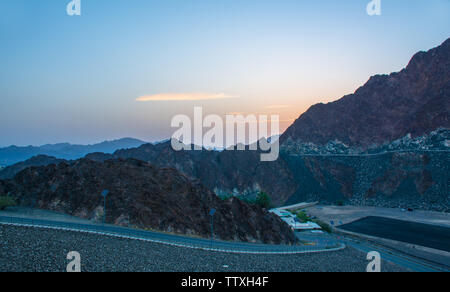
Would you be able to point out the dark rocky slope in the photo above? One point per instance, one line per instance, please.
(408, 173)
(418, 180)
(144, 196)
(223, 172)
(40, 160)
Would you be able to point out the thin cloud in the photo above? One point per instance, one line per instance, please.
(276, 106)
(184, 96)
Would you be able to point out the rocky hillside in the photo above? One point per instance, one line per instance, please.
(413, 101)
(411, 179)
(388, 144)
(40, 160)
(144, 196)
(224, 172)
(407, 173)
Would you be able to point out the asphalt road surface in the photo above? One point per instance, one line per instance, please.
(432, 236)
(175, 240)
(27, 249)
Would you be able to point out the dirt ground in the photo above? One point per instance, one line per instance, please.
(340, 215)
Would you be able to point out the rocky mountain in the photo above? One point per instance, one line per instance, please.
(144, 196)
(14, 154)
(385, 145)
(413, 101)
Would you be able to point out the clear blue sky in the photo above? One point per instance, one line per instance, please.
(76, 79)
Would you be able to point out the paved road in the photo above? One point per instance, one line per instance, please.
(174, 240)
(402, 260)
(408, 262)
(432, 236)
(321, 241)
(25, 249)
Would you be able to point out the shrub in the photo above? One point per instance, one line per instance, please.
(225, 197)
(325, 227)
(247, 200)
(303, 217)
(263, 200)
(7, 202)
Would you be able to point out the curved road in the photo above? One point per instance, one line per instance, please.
(315, 242)
(174, 240)
(400, 259)
(409, 262)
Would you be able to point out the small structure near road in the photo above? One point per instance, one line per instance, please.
(293, 221)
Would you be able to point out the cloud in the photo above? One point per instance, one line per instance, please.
(184, 96)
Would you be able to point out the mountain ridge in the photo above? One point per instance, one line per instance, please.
(414, 101)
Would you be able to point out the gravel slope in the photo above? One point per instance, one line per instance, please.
(29, 249)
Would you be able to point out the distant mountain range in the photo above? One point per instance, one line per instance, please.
(14, 154)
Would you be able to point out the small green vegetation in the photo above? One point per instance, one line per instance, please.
(325, 227)
(263, 200)
(304, 218)
(7, 201)
(225, 197)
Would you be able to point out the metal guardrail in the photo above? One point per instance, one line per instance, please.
(173, 240)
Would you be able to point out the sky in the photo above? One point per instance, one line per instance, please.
(125, 68)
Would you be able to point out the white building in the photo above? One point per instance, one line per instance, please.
(293, 221)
